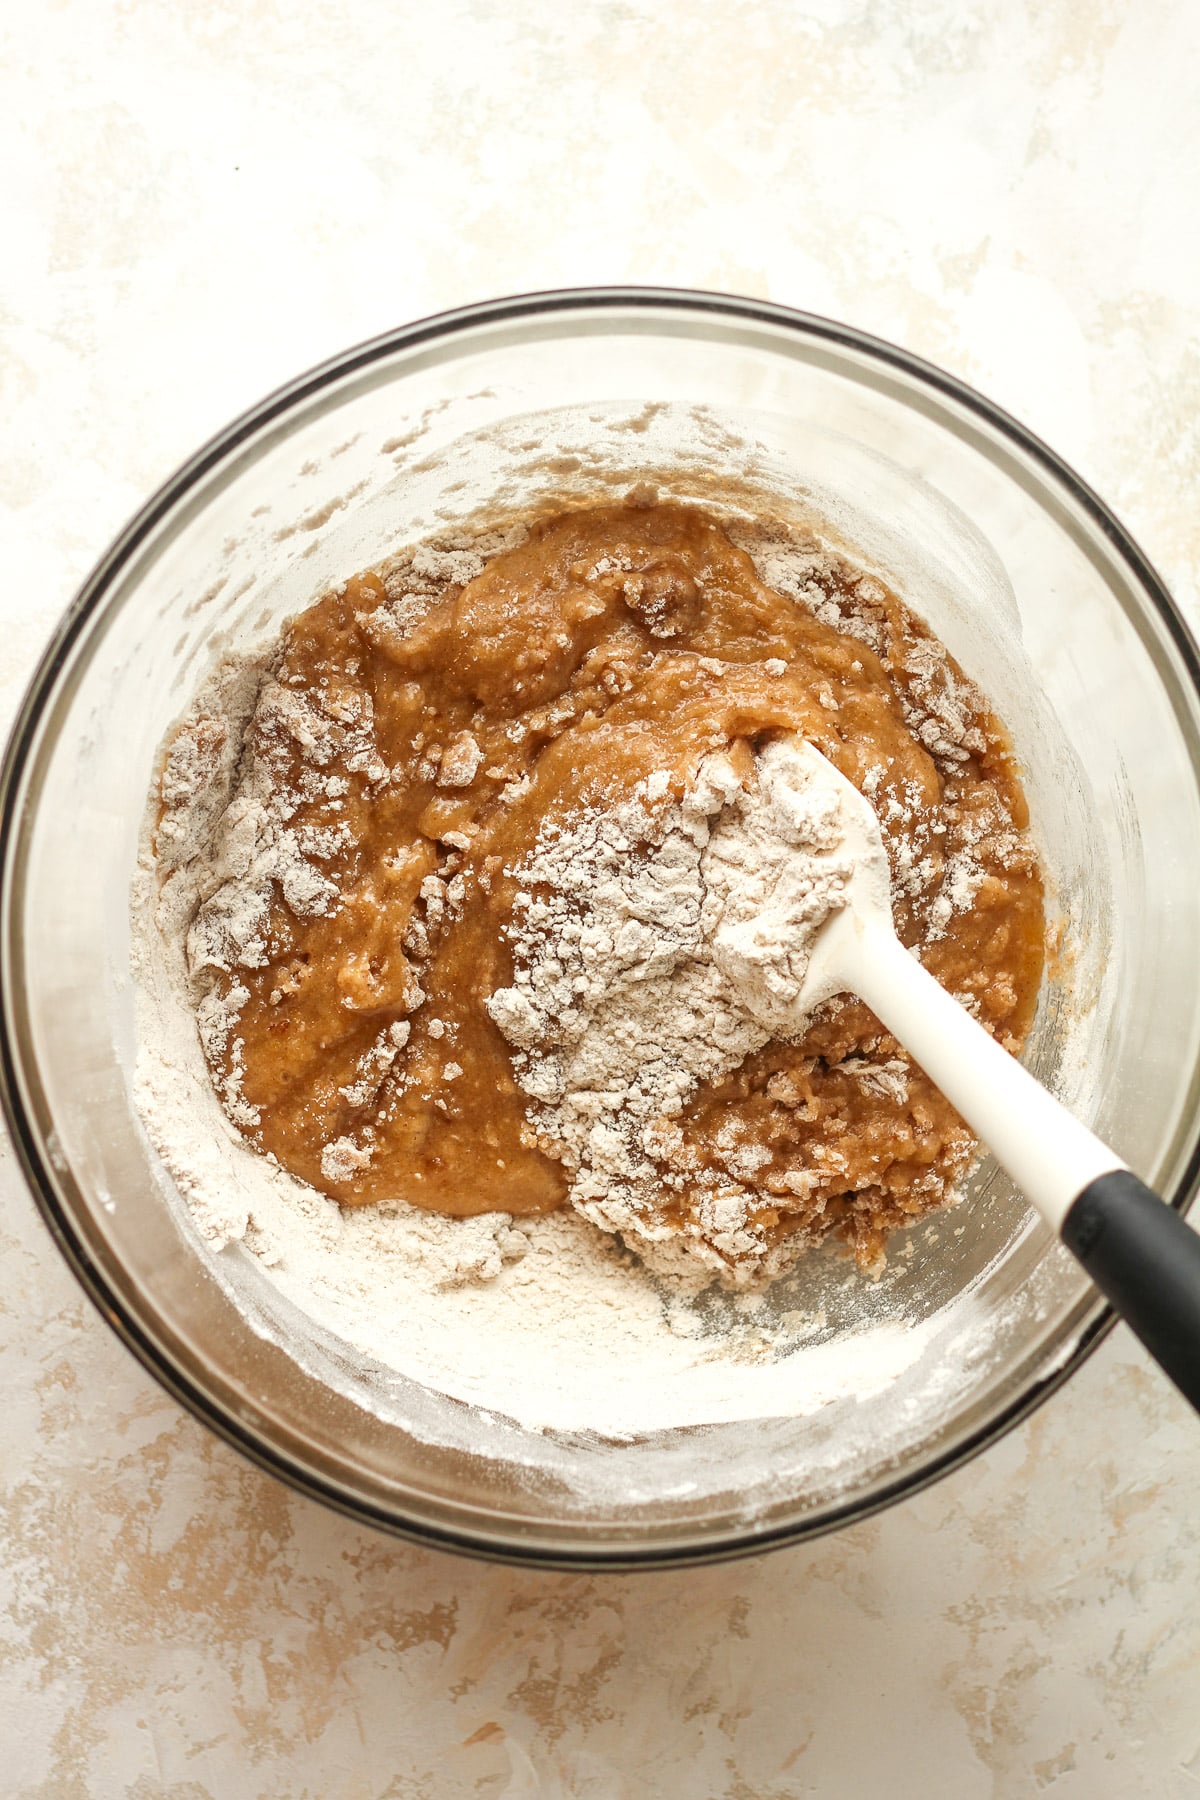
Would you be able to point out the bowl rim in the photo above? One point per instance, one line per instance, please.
(88, 605)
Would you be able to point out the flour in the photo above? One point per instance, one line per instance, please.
(657, 945)
(547, 1321)
(550, 1321)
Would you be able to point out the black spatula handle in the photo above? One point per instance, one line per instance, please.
(1145, 1259)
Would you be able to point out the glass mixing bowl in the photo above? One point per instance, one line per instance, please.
(1026, 576)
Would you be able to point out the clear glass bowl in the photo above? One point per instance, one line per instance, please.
(1023, 572)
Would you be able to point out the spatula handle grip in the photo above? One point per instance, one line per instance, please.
(1145, 1259)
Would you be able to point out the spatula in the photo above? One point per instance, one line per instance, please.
(1140, 1253)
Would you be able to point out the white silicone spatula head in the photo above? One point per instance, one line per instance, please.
(836, 953)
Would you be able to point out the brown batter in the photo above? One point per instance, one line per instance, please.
(610, 644)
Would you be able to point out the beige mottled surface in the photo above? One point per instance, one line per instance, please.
(199, 199)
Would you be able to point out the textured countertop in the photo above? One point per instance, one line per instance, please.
(198, 201)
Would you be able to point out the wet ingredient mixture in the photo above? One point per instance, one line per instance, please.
(466, 793)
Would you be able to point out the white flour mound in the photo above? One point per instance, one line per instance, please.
(663, 945)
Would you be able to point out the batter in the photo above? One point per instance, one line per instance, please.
(410, 757)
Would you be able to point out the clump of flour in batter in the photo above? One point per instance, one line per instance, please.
(657, 945)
